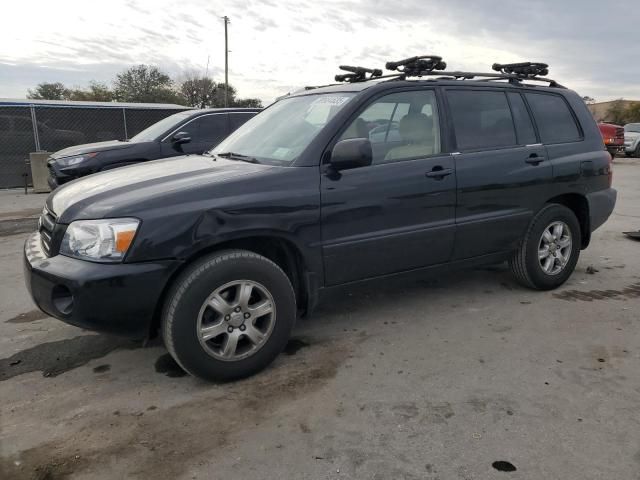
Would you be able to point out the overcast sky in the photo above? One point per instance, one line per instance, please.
(278, 46)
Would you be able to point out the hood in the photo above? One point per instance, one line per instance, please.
(89, 148)
(631, 135)
(122, 190)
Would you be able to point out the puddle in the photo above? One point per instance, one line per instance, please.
(632, 291)
(503, 466)
(31, 316)
(294, 345)
(167, 365)
(54, 358)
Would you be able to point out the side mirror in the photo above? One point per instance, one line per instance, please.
(351, 153)
(181, 137)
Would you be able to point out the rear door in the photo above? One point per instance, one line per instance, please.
(398, 213)
(502, 170)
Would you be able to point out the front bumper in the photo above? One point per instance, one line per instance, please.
(601, 206)
(114, 298)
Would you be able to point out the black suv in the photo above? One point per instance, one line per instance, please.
(191, 131)
(325, 187)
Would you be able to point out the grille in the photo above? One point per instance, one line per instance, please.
(620, 133)
(45, 226)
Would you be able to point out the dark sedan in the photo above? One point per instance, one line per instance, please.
(191, 131)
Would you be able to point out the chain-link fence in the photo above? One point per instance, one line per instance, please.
(32, 127)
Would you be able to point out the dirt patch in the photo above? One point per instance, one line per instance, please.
(54, 358)
(31, 316)
(166, 440)
(632, 291)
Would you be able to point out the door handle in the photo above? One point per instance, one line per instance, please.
(534, 159)
(438, 172)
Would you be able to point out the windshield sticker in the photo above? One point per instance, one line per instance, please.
(281, 153)
(330, 100)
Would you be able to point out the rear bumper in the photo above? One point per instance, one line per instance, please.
(601, 206)
(111, 298)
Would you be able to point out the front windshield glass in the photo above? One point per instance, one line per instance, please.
(632, 127)
(154, 131)
(280, 134)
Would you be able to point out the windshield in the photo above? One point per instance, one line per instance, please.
(154, 131)
(632, 127)
(280, 134)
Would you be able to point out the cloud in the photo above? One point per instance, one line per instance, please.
(301, 42)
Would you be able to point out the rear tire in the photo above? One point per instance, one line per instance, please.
(549, 250)
(228, 315)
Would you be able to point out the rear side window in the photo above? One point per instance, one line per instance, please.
(481, 119)
(524, 128)
(212, 128)
(237, 119)
(553, 117)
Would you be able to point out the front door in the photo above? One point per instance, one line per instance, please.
(398, 213)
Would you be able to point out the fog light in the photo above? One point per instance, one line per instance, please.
(62, 299)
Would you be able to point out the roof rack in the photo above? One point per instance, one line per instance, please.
(431, 65)
(417, 66)
(357, 74)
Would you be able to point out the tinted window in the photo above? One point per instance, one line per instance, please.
(399, 126)
(481, 119)
(553, 117)
(209, 128)
(237, 119)
(5, 124)
(524, 127)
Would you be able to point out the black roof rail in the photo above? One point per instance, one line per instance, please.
(357, 74)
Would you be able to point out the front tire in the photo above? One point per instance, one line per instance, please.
(550, 249)
(228, 315)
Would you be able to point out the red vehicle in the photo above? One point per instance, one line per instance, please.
(613, 137)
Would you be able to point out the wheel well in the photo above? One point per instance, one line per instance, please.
(579, 205)
(280, 251)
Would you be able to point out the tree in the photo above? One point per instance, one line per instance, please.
(588, 100)
(248, 102)
(632, 113)
(198, 91)
(49, 91)
(97, 92)
(616, 112)
(145, 84)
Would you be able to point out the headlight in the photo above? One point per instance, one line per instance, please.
(69, 161)
(99, 240)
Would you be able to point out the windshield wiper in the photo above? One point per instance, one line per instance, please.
(237, 156)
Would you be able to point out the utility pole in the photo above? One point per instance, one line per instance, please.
(226, 62)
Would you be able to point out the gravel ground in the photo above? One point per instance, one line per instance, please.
(466, 376)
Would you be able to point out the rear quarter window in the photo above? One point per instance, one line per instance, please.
(556, 123)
